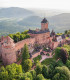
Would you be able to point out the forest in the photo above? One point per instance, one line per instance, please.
(58, 68)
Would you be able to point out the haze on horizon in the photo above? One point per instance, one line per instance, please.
(41, 4)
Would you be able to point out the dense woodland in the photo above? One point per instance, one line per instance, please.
(58, 67)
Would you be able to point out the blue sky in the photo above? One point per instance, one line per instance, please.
(46, 4)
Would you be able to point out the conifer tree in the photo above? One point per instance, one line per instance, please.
(25, 54)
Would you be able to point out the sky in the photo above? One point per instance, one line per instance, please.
(46, 4)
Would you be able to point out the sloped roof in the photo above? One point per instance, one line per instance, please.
(44, 20)
(38, 32)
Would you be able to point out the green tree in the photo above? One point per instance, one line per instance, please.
(11, 35)
(29, 75)
(66, 31)
(15, 38)
(27, 65)
(25, 32)
(40, 77)
(3, 74)
(13, 70)
(67, 47)
(25, 54)
(64, 55)
(33, 72)
(68, 64)
(52, 66)
(44, 71)
(38, 68)
(56, 77)
(57, 53)
(19, 36)
(10, 72)
(61, 53)
(24, 77)
(62, 73)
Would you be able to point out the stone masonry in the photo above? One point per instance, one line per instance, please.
(8, 48)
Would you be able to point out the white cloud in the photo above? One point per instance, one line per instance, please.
(51, 4)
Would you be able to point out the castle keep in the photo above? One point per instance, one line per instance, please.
(9, 49)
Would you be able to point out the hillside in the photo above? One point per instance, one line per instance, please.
(60, 22)
(15, 19)
(31, 21)
(15, 12)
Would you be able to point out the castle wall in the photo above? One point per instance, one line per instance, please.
(39, 38)
(42, 38)
(20, 44)
(32, 35)
(8, 56)
(9, 49)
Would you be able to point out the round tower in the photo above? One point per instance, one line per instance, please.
(8, 50)
(44, 24)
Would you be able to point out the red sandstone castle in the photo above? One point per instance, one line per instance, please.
(9, 49)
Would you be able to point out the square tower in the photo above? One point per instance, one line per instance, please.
(44, 24)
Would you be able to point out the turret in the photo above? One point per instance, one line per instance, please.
(7, 50)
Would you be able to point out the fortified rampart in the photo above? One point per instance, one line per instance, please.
(9, 49)
(8, 56)
(20, 44)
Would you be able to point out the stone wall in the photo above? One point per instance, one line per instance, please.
(44, 26)
(42, 38)
(8, 56)
(20, 44)
(9, 48)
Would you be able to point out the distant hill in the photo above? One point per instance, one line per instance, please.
(18, 19)
(15, 12)
(60, 22)
(64, 17)
(31, 21)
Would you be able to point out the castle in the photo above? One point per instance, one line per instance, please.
(9, 49)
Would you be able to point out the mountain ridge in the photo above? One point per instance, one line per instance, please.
(15, 12)
(19, 23)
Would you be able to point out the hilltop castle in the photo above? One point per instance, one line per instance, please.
(9, 49)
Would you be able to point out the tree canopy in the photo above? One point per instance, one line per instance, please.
(61, 53)
(25, 53)
(19, 36)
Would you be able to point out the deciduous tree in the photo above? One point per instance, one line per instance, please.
(27, 65)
